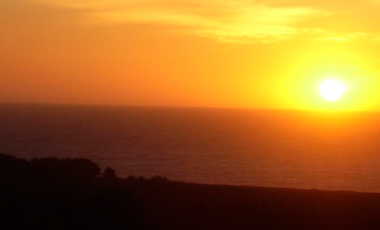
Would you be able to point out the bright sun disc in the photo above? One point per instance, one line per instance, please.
(331, 89)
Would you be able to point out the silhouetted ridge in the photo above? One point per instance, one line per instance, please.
(52, 193)
(78, 167)
(11, 164)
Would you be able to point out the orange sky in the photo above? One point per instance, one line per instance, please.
(219, 53)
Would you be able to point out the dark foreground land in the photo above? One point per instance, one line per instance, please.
(73, 193)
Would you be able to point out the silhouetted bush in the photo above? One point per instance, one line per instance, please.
(109, 173)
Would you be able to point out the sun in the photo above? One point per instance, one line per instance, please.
(331, 89)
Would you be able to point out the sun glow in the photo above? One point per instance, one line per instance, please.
(331, 89)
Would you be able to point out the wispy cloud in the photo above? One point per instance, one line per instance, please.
(341, 37)
(223, 20)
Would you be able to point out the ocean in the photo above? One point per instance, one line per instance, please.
(272, 148)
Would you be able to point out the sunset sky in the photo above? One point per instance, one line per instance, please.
(218, 53)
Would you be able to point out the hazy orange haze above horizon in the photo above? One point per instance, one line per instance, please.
(218, 53)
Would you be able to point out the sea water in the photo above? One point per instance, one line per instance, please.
(276, 148)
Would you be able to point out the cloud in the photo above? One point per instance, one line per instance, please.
(223, 20)
(341, 37)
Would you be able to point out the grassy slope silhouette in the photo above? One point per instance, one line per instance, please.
(52, 193)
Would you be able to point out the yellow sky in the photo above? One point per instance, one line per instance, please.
(219, 53)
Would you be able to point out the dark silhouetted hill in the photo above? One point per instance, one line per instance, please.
(72, 168)
(55, 193)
